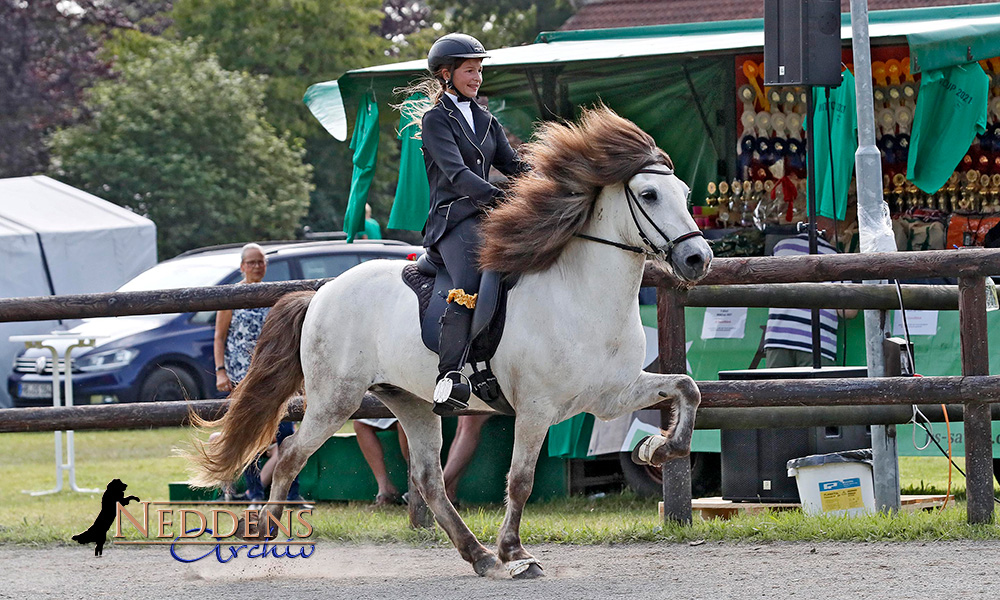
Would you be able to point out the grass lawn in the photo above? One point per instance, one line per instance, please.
(144, 461)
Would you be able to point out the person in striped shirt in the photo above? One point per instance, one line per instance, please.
(788, 337)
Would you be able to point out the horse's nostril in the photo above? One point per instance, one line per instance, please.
(694, 261)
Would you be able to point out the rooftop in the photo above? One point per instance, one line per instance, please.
(601, 14)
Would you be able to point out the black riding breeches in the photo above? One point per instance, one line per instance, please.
(458, 249)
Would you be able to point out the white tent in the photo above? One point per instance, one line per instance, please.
(55, 240)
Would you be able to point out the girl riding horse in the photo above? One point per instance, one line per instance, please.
(461, 141)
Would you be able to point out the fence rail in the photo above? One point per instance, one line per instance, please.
(747, 275)
(887, 391)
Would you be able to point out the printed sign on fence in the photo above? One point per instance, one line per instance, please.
(920, 322)
(724, 323)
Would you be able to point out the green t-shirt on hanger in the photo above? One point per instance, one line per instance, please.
(364, 142)
(413, 193)
(839, 137)
(950, 112)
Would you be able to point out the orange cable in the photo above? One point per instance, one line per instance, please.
(947, 424)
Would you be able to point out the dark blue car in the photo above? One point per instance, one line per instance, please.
(169, 357)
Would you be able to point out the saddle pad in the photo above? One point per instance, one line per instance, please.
(485, 344)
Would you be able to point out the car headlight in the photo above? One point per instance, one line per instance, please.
(107, 360)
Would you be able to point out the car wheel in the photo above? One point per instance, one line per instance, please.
(168, 383)
(647, 481)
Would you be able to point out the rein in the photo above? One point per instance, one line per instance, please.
(651, 250)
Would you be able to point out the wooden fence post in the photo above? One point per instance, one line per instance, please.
(673, 359)
(978, 428)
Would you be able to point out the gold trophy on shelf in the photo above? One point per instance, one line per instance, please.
(724, 204)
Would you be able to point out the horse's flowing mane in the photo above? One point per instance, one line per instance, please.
(570, 163)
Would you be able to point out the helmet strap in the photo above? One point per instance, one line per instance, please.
(448, 87)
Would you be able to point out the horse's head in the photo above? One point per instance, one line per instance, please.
(657, 201)
(574, 190)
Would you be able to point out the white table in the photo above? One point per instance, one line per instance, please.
(38, 341)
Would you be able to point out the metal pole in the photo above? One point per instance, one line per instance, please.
(811, 210)
(875, 230)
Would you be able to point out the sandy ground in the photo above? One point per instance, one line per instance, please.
(824, 571)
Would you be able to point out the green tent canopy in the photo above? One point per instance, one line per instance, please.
(956, 45)
(675, 81)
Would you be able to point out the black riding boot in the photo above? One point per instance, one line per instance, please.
(452, 390)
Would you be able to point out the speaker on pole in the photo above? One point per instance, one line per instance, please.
(802, 42)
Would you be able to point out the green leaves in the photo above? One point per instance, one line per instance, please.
(185, 142)
(295, 43)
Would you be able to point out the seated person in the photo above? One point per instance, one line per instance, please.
(371, 448)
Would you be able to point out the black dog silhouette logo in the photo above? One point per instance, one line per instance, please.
(98, 532)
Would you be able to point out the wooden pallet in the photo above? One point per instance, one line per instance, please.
(922, 502)
(717, 508)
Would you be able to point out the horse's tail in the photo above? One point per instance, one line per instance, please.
(257, 405)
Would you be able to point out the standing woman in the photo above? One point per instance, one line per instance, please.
(236, 331)
(236, 334)
(461, 141)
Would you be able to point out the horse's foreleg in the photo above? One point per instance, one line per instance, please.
(651, 388)
(423, 432)
(528, 438)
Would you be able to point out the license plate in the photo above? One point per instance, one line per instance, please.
(34, 390)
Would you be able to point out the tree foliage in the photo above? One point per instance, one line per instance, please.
(501, 23)
(48, 56)
(295, 43)
(185, 142)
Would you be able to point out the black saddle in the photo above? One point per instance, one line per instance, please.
(431, 283)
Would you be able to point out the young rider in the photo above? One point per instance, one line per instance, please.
(461, 141)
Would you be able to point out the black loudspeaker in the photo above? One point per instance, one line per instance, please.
(802, 42)
(754, 460)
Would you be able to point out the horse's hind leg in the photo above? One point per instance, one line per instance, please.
(423, 431)
(324, 416)
(650, 389)
(529, 433)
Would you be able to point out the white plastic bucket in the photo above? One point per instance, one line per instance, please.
(840, 483)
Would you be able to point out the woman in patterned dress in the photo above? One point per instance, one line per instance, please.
(236, 334)
(236, 331)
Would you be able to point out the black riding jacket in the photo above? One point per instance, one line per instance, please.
(458, 165)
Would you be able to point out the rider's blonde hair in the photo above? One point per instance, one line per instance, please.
(421, 96)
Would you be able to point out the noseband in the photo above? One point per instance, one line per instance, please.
(651, 249)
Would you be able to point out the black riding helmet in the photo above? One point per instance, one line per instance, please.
(451, 48)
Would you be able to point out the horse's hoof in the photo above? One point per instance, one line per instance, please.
(645, 451)
(655, 450)
(484, 565)
(532, 571)
(526, 568)
(254, 535)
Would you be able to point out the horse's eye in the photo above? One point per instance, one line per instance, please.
(648, 195)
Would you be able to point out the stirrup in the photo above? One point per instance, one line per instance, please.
(451, 393)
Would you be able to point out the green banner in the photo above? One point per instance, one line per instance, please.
(910, 444)
(938, 354)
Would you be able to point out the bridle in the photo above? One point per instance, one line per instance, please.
(651, 250)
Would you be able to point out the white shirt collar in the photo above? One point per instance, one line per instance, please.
(465, 108)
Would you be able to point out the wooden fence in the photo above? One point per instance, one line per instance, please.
(756, 281)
